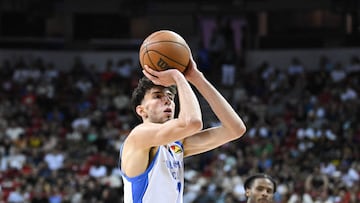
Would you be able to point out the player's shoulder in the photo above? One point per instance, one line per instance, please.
(143, 129)
(139, 137)
(148, 126)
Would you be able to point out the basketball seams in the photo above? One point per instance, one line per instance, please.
(151, 61)
(170, 41)
(144, 45)
(171, 59)
(173, 54)
(146, 54)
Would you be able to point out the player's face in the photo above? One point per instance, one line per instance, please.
(262, 191)
(159, 105)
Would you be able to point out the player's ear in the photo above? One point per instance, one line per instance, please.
(141, 111)
(247, 192)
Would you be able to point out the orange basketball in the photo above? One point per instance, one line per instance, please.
(164, 50)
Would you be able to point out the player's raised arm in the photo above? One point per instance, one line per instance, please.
(232, 126)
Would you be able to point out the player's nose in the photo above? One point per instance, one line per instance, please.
(167, 100)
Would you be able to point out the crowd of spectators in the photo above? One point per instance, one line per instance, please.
(302, 129)
(60, 132)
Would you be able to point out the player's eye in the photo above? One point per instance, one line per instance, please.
(259, 189)
(171, 97)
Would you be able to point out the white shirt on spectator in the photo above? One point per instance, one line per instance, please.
(328, 169)
(228, 74)
(15, 197)
(350, 178)
(97, 171)
(349, 94)
(14, 132)
(17, 161)
(81, 123)
(338, 75)
(55, 161)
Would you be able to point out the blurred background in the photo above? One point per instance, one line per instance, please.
(289, 68)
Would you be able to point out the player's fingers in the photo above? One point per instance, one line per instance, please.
(150, 70)
(148, 75)
(151, 77)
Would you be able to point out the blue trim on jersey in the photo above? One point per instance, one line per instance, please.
(140, 182)
(119, 162)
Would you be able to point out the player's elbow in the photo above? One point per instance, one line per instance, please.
(193, 125)
(238, 130)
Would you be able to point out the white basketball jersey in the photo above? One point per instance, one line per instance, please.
(163, 180)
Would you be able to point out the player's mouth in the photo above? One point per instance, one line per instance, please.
(264, 200)
(168, 110)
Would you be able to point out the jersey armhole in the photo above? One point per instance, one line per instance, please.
(151, 165)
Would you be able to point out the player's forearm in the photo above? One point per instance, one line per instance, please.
(190, 111)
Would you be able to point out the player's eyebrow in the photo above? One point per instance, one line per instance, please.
(260, 187)
(170, 94)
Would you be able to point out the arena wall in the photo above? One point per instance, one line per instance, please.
(278, 58)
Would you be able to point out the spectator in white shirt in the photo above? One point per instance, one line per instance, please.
(98, 170)
(55, 159)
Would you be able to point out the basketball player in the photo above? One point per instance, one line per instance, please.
(151, 158)
(259, 188)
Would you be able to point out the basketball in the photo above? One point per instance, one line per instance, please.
(164, 50)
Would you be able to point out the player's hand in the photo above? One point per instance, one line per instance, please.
(164, 78)
(192, 72)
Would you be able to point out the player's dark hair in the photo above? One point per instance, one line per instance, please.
(250, 180)
(145, 85)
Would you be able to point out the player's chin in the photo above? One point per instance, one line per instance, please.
(264, 200)
(167, 118)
